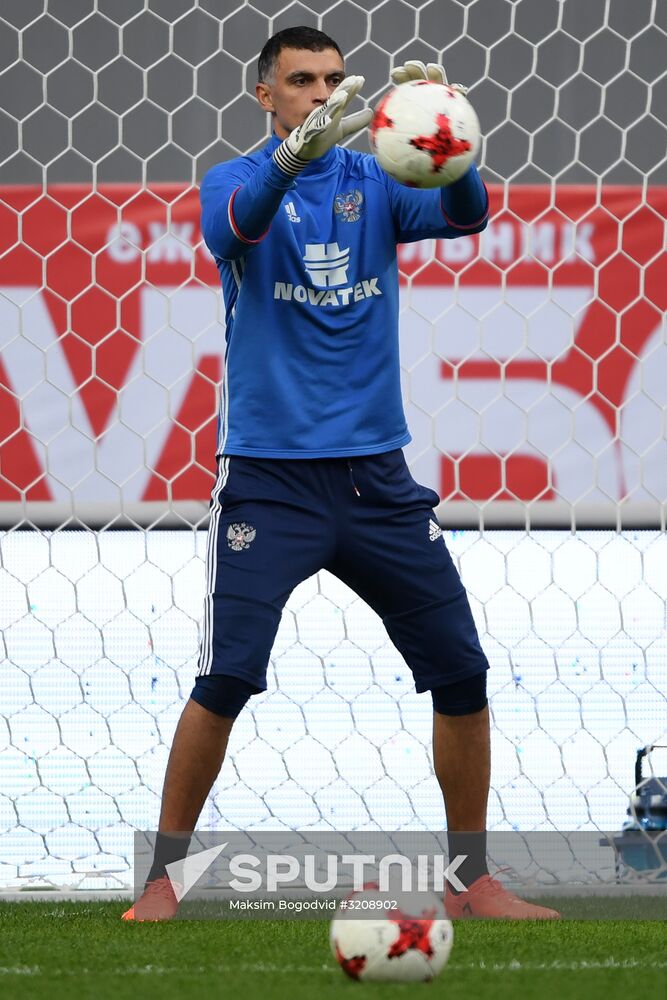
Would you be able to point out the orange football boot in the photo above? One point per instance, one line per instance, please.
(157, 902)
(487, 898)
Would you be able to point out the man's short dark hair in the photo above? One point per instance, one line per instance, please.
(301, 37)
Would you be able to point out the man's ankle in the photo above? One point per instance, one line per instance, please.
(472, 847)
(169, 847)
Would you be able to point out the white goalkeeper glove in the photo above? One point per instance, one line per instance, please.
(414, 69)
(323, 128)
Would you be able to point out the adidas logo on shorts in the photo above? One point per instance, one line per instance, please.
(434, 531)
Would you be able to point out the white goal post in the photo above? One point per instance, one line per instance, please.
(534, 367)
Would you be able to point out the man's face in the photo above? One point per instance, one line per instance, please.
(303, 81)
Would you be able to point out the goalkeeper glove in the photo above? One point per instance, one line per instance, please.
(323, 128)
(414, 69)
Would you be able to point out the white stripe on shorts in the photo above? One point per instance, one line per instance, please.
(206, 648)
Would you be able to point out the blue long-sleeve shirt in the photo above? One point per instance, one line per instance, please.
(310, 281)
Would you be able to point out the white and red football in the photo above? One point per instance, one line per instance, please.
(425, 134)
(405, 944)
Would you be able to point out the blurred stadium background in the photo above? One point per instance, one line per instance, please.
(535, 381)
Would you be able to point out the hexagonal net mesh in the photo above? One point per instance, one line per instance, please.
(534, 371)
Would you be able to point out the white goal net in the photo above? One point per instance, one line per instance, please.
(534, 370)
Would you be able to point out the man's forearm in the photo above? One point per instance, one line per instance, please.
(465, 203)
(254, 204)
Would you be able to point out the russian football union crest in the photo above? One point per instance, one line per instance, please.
(239, 536)
(348, 206)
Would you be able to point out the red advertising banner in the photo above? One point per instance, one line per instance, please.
(534, 355)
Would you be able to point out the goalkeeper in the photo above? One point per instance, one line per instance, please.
(311, 474)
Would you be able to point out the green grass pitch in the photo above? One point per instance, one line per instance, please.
(69, 950)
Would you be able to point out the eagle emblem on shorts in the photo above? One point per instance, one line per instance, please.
(239, 536)
(348, 206)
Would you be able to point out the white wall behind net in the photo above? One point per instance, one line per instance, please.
(96, 674)
(534, 374)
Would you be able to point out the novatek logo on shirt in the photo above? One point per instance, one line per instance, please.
(326, 265)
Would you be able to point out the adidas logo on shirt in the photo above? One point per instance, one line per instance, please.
(291, 212)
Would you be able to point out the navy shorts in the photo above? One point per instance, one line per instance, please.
(275, 522)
